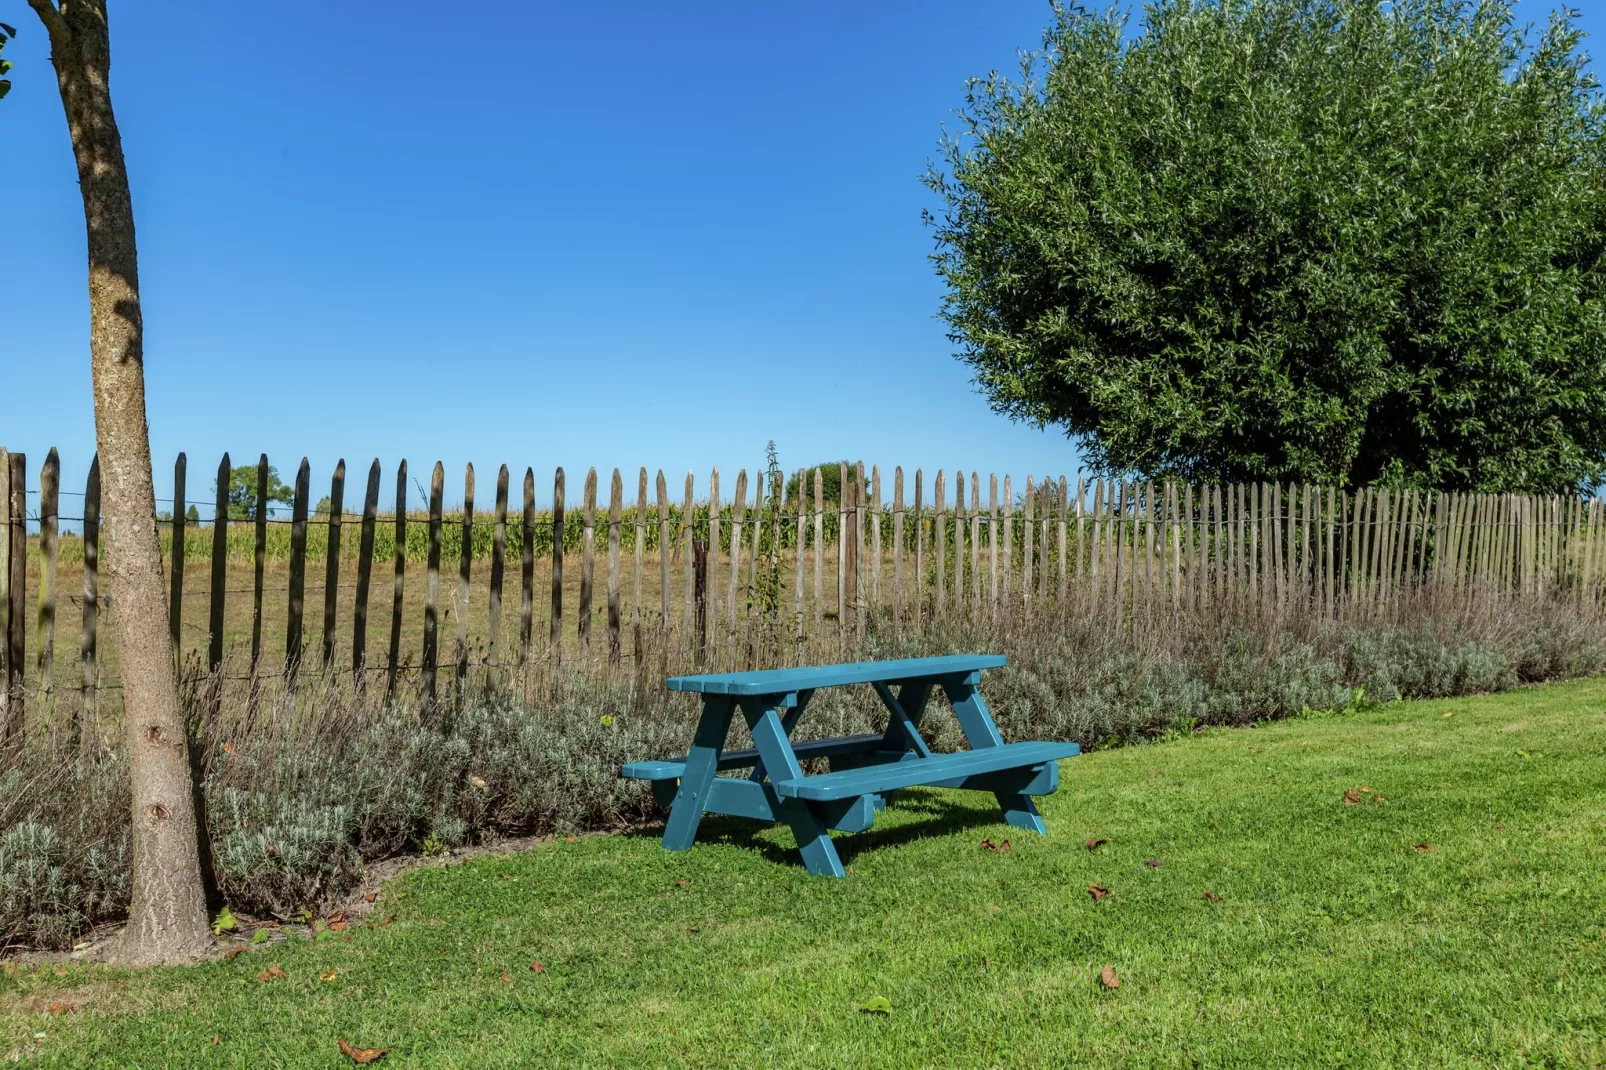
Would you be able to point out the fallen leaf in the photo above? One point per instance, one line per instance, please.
(876, 1005)
(1108, 979)
(507, 978)
(684, 884)
(1096, 842)
(1366, 791)
(234, 952)
(327, 975)
(1447, 713)
(1352, 796)
(478, 782)
(272, 850)
(571, 839)
(217, 1039)
(361, 1056)
(1151, 772)
(536, 967)
(386, 922)
(1424, 848)
(1211, 897)
(228, 748)
(988, 845)
(80, 945)
(59, 1008)
(370, 897)
(1004, 847)
(1377, 798)
(1154, 863)
(270, 974)
(339, 926)
(1097, 893)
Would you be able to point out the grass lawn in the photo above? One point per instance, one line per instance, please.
(1336, 939)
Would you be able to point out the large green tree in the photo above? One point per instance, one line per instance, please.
(1328, 240)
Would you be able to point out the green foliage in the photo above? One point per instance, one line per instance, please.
(6, 33)
(1323, 240)
(830, 481)
(243, 492)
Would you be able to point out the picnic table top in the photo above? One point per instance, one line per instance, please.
(810, 677)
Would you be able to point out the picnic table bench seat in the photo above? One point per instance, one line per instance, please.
(865, 769)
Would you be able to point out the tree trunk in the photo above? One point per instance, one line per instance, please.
(167, 915)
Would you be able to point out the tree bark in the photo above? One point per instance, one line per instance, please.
(167, 915)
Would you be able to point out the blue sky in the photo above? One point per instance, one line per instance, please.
(529, 233)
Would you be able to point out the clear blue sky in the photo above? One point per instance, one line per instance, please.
(515, 232)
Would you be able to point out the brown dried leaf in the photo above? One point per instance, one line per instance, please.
(988, 845)
(1211, 897)
(370, 897)
(507, 978)
(59, 1008)
(328, 975)
(271, 973)
(571, 839)
(338, 926)
(536, 967)
(683, 884)
(217, 1038)
(1108, 979)
(1377, 798)
(228, 748)
(1096, 842)
(1003, 848)
(1096, 892)
(1151, 772)
(1424, 848)
(234, 952)
(1352, 796)
(360, 1056)
(1154, 863)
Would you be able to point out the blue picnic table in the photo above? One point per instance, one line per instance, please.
(864, 769)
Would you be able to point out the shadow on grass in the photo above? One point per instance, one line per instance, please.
(936, 815)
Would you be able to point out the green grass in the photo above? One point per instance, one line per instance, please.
(1335, 942)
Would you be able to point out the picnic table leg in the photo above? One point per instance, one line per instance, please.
(977, 723)
(813, 837)
(702, 762)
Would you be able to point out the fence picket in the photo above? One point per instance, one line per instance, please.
(432, 585)
(49, 518)
(588, 559)
(738, 518)
(365, 566)
(398, 581)
(616, 494)
(493, 648)
(220, 568)
(298, 572)
(331, 582)
(939, 536)
(527, 569)
(465, 563)
(175, 596)
(555, 625)
(258, 563)
(88, 670)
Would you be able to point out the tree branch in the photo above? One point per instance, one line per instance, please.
(55, 25)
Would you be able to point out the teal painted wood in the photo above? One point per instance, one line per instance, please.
(977, 723)
(813, 838)
(673, 768)
(903, 732)
(687, 812)
(853, 815)
(809, 677)
(915, 771)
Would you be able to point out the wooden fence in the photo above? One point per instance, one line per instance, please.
(768, 571)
